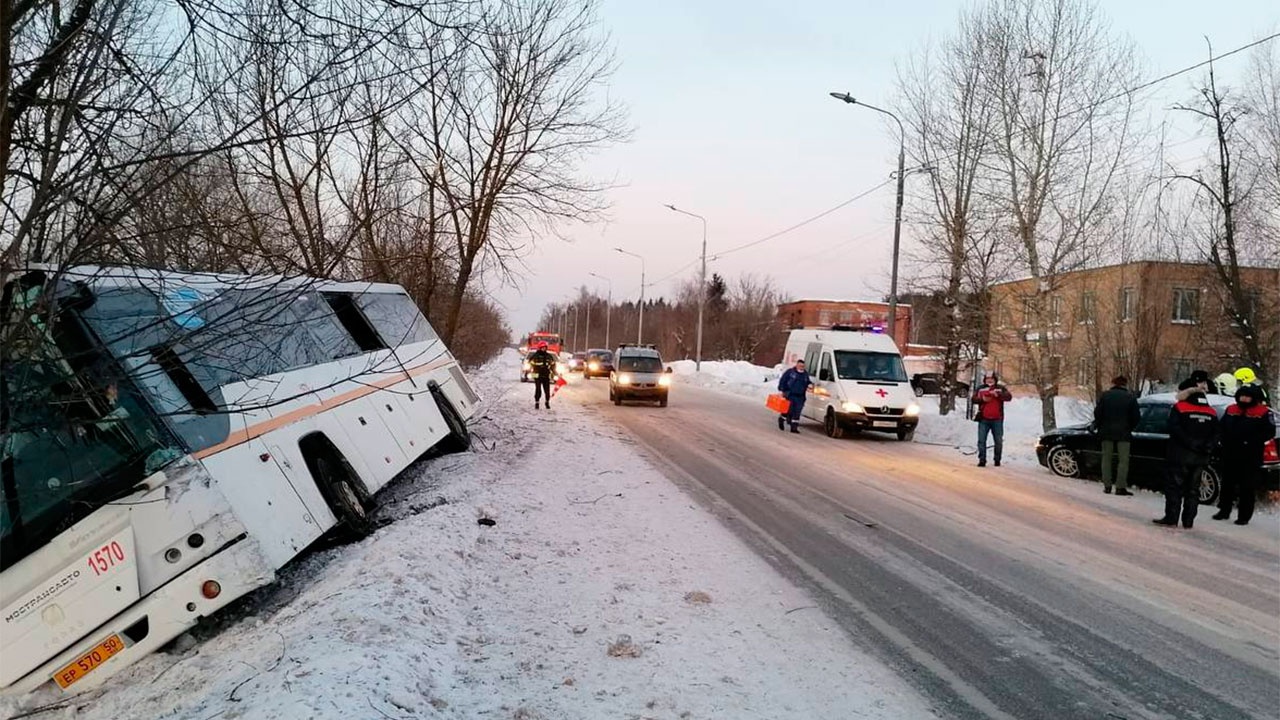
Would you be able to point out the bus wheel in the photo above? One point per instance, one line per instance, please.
(459, 438)
(340, 491)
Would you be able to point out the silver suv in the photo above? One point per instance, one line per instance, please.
(638, 374)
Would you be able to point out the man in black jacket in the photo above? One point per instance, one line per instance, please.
(1246, 427)
(543, 366)
(1116, 415)
(1193, 429)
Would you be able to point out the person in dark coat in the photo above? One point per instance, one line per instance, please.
(1193, 430)
(989, 401)
(793, 385)
(543, 365)
(1115, 416)
(1246, 427)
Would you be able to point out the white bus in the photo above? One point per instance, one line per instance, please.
(171, 440)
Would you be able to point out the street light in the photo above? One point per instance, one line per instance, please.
(702, 286)
(897, 213)
(640, 328)
(608, 307)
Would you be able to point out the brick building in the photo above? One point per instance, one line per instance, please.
(1151, 321)
(825, 313)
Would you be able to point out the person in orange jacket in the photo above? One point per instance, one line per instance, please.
(989, 403)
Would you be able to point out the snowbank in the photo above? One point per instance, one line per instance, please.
(738, 377)
(1022, 426)
(600, 591)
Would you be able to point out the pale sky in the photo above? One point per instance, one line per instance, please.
(728, 102)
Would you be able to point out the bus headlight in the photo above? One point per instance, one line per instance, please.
(912, 410)
(624, 379)
(664, 381)
(852, 407)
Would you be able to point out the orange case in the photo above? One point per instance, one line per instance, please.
(778, 404)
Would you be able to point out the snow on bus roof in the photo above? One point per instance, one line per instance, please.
(843, 302)
(118, 276)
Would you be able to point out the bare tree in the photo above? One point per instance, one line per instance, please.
(951, 116)
(1063, 125)
(1225, 192)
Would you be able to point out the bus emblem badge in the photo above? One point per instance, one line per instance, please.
(53, 615)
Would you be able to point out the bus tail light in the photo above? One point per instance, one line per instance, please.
(211, 589)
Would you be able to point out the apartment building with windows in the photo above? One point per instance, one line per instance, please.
(1152, 321)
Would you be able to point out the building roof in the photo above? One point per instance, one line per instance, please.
(1133, 263)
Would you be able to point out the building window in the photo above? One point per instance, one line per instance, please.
(824, 318)
(1088, 306)
(1252, 303)
(1026, 370)
(1186, 305)
(1179, 370)
(1028, 312)
(1055, 368)
(846, 317)
(1122, 363)
(1006, 316)
(1128, 304)
(1085, 372)
(1055, 310)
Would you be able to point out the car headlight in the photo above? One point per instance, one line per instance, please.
(595, 366)
(624, 379)
(852, 407)
(912, 410)
(664, 381)
(527, 367)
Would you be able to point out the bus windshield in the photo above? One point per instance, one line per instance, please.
(76, 434)
(870, 366)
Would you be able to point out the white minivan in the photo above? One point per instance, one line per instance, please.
(859, 382)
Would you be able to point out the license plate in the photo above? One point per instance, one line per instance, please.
(884, 424)
(88, 662)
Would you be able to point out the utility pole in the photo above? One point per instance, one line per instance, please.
(702, 286)
(640, 328)
(608, 308)
(586, 340)
(897, 213)
(577, 317)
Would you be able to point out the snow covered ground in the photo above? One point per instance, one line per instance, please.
(1022, 426)
(599, 591)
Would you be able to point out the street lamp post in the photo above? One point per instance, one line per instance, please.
(577, 320)
(702, 286)
(608, 307)
(640, 328)
(897, 213)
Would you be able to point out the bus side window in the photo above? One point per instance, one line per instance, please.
(181, 377)
(396, 318)
(356, 324)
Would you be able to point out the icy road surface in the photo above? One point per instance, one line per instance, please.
(601, 591)
(1001, 592)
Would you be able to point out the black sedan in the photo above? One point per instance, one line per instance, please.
(931, 384)
(599, 363)
(1076, 451)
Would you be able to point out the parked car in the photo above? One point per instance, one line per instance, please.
(599, 363)
(577, 362)
(639, 375)
(931, 384)
(1076, 451)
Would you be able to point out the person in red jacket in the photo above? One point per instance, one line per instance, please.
(989, 402)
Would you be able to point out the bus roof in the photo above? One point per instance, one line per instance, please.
(126, 276)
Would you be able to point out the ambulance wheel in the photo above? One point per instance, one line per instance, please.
(907, 435)
(832, 425)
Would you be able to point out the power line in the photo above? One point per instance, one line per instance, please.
(802, 223)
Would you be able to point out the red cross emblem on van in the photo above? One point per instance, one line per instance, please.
(882, 393)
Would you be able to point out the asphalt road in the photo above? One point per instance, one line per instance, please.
(999, 593)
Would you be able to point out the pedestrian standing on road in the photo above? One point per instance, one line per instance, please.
(543, 365)
(989, 401)
(793, 385)
(1246, 427)
(1116, 415)
(1193, 430)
